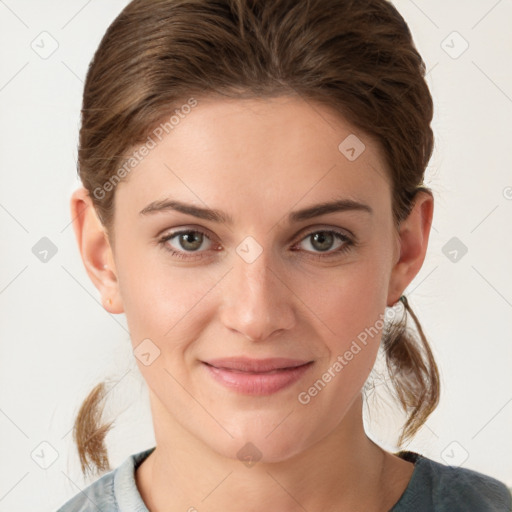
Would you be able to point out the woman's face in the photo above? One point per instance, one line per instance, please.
(260, 273)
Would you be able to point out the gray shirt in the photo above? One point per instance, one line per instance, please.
(433, 487)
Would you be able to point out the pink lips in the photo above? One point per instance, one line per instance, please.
(256, 376)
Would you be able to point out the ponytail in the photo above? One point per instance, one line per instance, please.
(413, 372)
(89, 432)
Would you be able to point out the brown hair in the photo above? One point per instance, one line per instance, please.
(355, 56)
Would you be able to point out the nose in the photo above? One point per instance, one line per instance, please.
(257, 300)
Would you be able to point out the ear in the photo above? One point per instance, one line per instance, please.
(95, 249)
(412, 240)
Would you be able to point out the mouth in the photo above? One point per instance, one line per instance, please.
(256, 377)
(248, 365)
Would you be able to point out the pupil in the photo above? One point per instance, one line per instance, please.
(190, 238)
(322, 237)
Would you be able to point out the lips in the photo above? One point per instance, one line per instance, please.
(246, 364)
(256, 376)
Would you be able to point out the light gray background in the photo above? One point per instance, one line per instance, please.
(57, 341)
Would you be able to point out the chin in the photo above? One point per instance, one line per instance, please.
(253, 445)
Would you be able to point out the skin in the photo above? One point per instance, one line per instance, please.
(257, 160)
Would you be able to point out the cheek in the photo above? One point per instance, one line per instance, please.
(348, 300)
(163, 302)
(352, 307)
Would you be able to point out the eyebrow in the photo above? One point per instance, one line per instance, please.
(340, 205)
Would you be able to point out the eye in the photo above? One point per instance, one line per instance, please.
(187, 241)
(322, 242)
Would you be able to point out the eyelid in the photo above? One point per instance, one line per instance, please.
(319, 227)
(183, 227)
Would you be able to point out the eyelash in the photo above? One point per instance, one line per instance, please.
(347, 245)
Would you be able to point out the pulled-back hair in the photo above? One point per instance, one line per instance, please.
(357, 57)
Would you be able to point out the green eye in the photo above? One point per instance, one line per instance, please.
(321, 243)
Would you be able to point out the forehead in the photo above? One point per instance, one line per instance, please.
(280, 150)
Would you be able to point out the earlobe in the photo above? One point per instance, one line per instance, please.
(95, 249)
(413, 238)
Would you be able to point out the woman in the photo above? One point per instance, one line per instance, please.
(253, 201)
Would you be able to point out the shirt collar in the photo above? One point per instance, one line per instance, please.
(126, 492)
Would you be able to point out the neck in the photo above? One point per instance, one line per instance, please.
(343, 471)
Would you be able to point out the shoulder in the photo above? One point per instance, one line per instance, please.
(438, 487)
(97, 496)
(114, 491)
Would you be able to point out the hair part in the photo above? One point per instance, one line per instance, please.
(357, 57)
